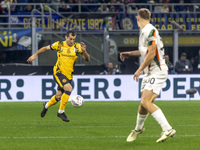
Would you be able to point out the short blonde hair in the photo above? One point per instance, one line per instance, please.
(144, 13)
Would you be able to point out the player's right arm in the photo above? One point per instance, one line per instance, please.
(124, 55)
(41, 50)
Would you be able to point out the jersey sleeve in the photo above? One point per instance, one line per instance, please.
(151, 38)
(54, 46)
(78, 48)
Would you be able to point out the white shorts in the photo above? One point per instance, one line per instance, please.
(154, 82)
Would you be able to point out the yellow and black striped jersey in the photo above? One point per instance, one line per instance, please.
(66, 57)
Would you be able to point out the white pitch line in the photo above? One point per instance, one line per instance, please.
(88, 127)
(88, 137)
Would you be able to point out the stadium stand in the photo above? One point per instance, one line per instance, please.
(93, 20)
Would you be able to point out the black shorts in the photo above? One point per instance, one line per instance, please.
(61, 80)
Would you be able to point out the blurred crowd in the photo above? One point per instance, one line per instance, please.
(184, 65)
(68, 5)
(110, 69)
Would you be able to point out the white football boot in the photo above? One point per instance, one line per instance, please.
(166, 134)
(133, 135)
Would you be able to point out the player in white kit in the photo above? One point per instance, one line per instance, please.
(155, 74)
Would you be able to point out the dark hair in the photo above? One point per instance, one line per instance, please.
(70, 32)
(183, 54)
(144, 13)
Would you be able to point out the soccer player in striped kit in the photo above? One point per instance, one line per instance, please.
(151, 50)
(67, 54)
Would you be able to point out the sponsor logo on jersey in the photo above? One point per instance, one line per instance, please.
(64, 81)
(68, 51)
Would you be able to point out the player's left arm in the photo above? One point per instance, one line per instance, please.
(149, 57)
(85, 55)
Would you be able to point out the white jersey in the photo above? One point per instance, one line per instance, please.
(149, 36)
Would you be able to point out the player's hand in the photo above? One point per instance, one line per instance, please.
(32, 58)
(83, 47)
(137, 74)
(124, 55)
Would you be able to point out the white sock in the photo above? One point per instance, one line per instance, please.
(46, 106)
(160, 118)
(140, 121)
(60, 111)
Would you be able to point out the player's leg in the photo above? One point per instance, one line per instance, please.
(147, 102)
(65, 96)
(64, 99)
(66, 87)
(139, 128)
(54, 100)
(142, 112)
(141, 117)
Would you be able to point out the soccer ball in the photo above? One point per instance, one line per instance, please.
(77, 101)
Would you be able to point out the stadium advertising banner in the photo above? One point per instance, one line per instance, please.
(17, 39)
(189, 21)
(81, 23)
(94, 88)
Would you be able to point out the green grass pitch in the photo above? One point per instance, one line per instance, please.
(96, 126)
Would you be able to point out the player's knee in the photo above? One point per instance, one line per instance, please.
(144, 104)
(58, 97)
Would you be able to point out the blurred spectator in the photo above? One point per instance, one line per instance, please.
(70, 2)
(92, 8)
(165, 8)
(64, 7)
(112, 1)
(183, 65)
(3, 57)
(118, 2)
(180, 8)
(2, 12)
(126, 2)
(132, 9)
(112, 9)
(116, 70)
(76, 7)
(45, 7)
(169, 64)
(192, 63)
(121, 8)
(109, 69)
(14, 8)
(22, 7)
(55, 7)
(28, 8)
(197, 63)
(103, 8)
(157, 8)
(4, 4)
